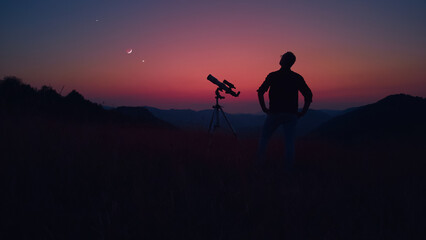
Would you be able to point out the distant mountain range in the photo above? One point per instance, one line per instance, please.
(244, 124)
(397, 117)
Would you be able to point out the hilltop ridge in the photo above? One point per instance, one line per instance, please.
(19, 99)
(395, 117)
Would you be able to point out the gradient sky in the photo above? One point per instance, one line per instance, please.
(349, 52)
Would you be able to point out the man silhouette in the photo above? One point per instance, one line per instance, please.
(284, 86)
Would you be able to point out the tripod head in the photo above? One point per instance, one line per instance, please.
(218, 96)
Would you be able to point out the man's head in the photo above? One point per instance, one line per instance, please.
(287, 60)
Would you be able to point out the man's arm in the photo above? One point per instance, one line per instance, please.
(260, 95)
(261, 91)
(305, 108)
(307, 95)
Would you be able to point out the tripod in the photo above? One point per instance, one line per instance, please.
(217, 108)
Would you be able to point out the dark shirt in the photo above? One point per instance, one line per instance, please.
(283, 88)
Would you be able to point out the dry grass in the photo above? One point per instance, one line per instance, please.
(73, 181)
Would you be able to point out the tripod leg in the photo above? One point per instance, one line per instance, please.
(211, 120)
(217, 124)
(229, 124)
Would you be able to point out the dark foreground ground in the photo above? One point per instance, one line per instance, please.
(83, 181)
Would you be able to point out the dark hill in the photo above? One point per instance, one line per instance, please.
(184, 118)
(21, 100)
(398, 117)
(136, 113)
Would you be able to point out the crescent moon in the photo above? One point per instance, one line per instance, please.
(129, 51)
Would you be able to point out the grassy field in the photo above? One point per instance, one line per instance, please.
(108, 181)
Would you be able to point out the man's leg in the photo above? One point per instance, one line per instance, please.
(271, 123)
(289, 125)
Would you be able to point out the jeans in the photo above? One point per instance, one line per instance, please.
(272, 122)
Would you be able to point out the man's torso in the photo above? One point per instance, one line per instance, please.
(283, 91)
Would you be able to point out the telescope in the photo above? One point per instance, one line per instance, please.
(223, 86)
